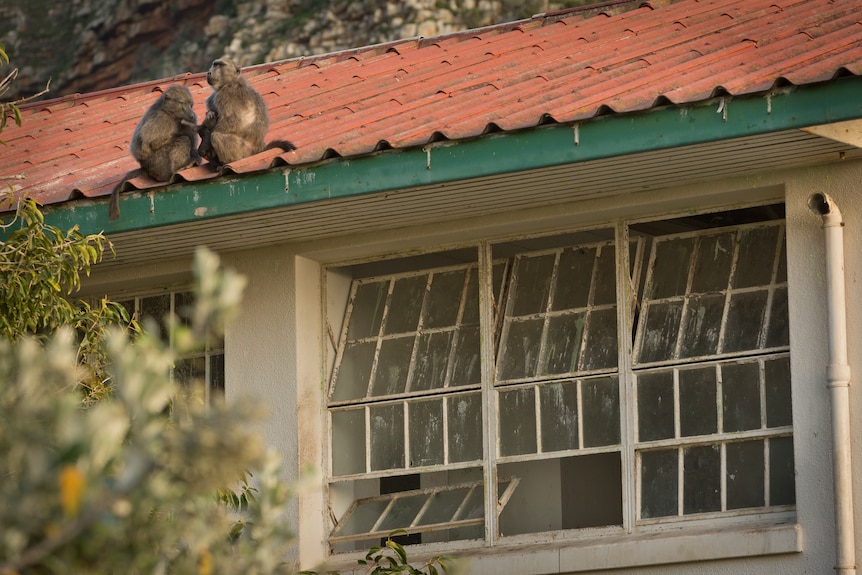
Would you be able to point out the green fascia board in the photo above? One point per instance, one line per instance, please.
(499, 153)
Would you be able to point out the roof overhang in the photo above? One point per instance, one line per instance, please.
(672, 145)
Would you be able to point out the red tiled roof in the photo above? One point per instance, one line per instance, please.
(560, 67)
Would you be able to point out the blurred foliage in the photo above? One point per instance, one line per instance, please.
(391, 559)
(40, 269)
(128, 485)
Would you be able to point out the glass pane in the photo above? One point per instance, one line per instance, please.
(702, 325)
(405, 304)
(701, 479)
(601, 411)
(559, 408)
(714, 258)
(574, 278)
(517, 428)
(426, 433)
(392, 366)
(466, 369)
(756, 256)
(658, 337)
(601, 344)
(367, 311)
(778, 404)
(402, 513)
(444, 299)
(744, 321)
(190, 370)
(655, 406)
(184, 306)
(363, 517)
(432, 360)
(698, 413)
(745, 475)
(659, 481)
(782, 480)
(779, 328)
(354, 371)
(533, 281)
(740, 383)
(606, 291)
(387, 437)
(443, 506)
(471, 303)
(670, 268)
(474, 506)
(156, 308)
(465, 427)
(520, 352)
(348, 442)
(217, 378)
(781, 273)
(564, 343)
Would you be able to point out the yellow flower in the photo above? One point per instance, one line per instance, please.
(205, 563)
(72, 484)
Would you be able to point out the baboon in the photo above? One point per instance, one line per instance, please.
(164, 141)
(236, 120)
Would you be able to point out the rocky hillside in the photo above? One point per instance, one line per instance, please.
(88, 45)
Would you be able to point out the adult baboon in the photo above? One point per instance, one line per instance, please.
(236, 120)
(164, 141)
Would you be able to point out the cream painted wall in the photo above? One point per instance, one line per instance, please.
(277, 342)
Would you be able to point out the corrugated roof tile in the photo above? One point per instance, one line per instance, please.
(565, 66)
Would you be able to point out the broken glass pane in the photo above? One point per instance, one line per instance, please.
(601, 411)
(465, 427)
(702, 325)
(520, 352)
(659, 483)
(601, 344)
(444, 299)
(354, 371)
(779, 330)
(756, 256)
(745, 475)
(432, 361)
(655, 406)
(387, 437)
(559, 408)
(670, 268)
(405, 304)
(701, 479)
(592, 491)
(563, 346)
(740, 384)
(367, 310)
(606, 291)
(745, 321)
(574, 278)
(426, 433)
(466, 369)
(658, 337)
(393, 364)
(517, 426)
(714, 258)
(348, 442)
(531, 284)
(697, 402)
(782, 480)
(778, 405)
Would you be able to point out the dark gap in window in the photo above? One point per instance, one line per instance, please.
(397, 484)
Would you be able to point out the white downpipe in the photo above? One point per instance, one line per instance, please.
(838, 381)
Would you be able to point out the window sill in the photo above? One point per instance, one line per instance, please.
(658, 548)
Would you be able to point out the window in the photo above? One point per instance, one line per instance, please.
(206, 365)
(593, 387)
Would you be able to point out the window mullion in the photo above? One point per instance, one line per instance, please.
(489, 403)
(625, 294)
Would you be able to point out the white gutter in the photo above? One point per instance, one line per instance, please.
(838, 381)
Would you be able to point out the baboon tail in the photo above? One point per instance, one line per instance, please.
(283, 144)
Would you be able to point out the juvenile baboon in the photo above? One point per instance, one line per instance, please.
(236, 120)
(164, 141)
